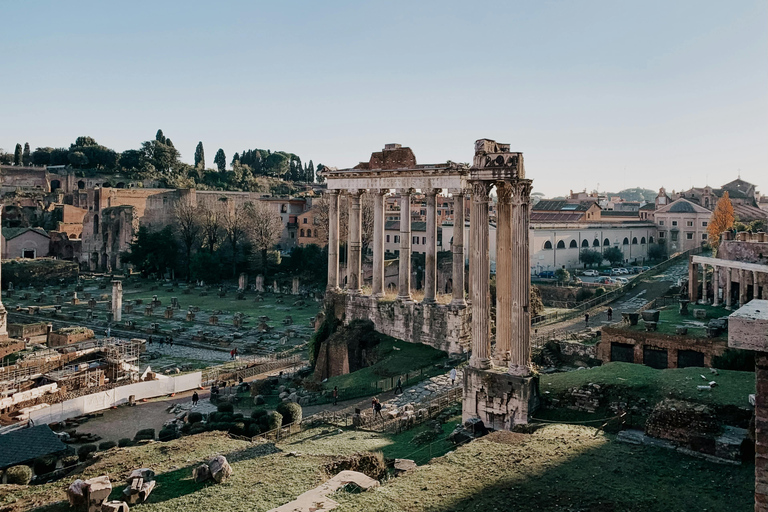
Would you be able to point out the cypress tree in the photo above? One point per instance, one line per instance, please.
(17, 155)
(159, 137)
(26, 157)
(199, 156)
(220, 160)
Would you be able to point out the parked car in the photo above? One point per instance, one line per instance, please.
(618, 271)
(606, 280)
(606, 272)
(622, 280)
(646, 268)
(547, 274)
(636, 270)
(591, 273)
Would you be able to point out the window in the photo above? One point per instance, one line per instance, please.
(606, 242)
(662, 234)
(415, 240)
(689, 236)
(423, 240)
(547, 245)
(387, 238)
(674, 236)
(309, 232)
(292, 233)
(305, 220)
(585, 243)
(650, 239)
(642, 241)
(674, 223)
(397, 239)
(703, 236)
(574, 244)
(596, 243)
(301, 233)
(661, 223)
(626, 241)
(634, 241)
(704, 224)
(561, 245)
(689, 223)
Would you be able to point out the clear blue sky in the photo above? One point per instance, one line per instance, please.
(640, 93)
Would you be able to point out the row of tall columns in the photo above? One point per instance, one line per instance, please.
(743, 277)
(354, 260)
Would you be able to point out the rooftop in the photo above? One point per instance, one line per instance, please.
(27, 444)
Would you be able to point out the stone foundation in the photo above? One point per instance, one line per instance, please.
(671, 345)
(443, 327)
(499, 399)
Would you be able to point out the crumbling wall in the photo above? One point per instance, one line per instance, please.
(710, 347)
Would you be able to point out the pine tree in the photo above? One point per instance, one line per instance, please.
(199, 156)
(722, 220)
(26, 157)
(17, 155)
(169, 143)
(236, 158)
(220, 160)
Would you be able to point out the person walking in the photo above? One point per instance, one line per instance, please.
(610, 313)
(335, 395)
(586, 319)
(453, 377)
(399, 387)
(195, 398)
(377, 409)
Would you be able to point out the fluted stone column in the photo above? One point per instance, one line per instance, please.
(480, 271)
(742, 287)
(716, 285)
(354, 262)
(755, 286)
(333, 240)
(378, 242)
(728, 287)
(503, 273)
(703, 283)
(693, 282)
(457, 248)
(404, 286)
(430, 266)
(520, 355)
(117, 300)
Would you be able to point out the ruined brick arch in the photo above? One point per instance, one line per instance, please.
(55, 185)
(120, 184)
(309, 232)
(80, 185)
(301, 233)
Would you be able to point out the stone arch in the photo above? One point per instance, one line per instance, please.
(547, 245)
(301, 232)
(585, 243)
(561, 244)
(106, 184)
(55, 185)
(309, 232)
(650, 240)
(449, 286)
(642, 240)
(596, 243)
(120, 184)
(626, 241)
(606, 242)
(634, 240)
(574, 244)
(80, 185)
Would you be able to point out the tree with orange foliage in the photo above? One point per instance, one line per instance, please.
(722, 220)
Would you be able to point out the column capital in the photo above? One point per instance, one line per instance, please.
(504, 192)
(379, 191)
(432, 192)
(405, 191)
(333, 191)
(522, 190)
(481, 191)
(355, 192)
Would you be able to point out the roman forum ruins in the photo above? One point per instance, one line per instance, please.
(498, 386)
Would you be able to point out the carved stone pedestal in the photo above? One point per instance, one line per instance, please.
(499, 399)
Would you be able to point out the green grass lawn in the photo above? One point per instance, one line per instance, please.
(395, 357)
(670, 319)
(638, 380)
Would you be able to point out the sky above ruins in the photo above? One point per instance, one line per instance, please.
(615, 93)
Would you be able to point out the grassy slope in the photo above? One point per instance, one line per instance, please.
(396, 357)
(670, 318)
(557, 468)
(561, 468)
(642, 381)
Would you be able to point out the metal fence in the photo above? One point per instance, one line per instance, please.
(249, 366)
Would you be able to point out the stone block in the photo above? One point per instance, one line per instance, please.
(651, 315)
(700, 314)
(114, 506)
(650, 326)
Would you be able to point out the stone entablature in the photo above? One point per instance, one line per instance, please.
(732, 282)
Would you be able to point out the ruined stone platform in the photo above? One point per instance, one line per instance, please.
(499, 399)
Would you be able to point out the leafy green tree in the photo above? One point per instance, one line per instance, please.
(657, 252)
(613, 255)
(562, 275)
(84, 141)
(17, 155)
(42, 156)
(78, 159)
(590, 257)
(199, 156)
(59, 156)
(320, 178)
(26, 157)
(153, 251)
(186, 218)
(130, 160)
(160, 155)
(310, 175)
(220, 160)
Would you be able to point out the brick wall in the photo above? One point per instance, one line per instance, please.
(672, 344)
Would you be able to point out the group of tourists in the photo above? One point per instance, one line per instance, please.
(168, 340)
(233, 353)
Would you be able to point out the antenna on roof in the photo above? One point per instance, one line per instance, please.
(739, 172)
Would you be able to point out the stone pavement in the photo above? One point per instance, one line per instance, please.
(181, 354)
(425, 390)
(317, 500)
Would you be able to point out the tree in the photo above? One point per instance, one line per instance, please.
(84, 141)
(310, 172)
(17, 155)
(162, 156)
(590, 257)
(153, 251)
(562, 275)
(722, 220)
(613, 255)
(199, 156)
(41, 156)
(265, 226)
(187, 220)
(131, 159)
(210, 221)
(78, 159)
(26, 158)
(657, 252)
(234, 223)
(220, 160)
(320, 177)
(159, 137)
